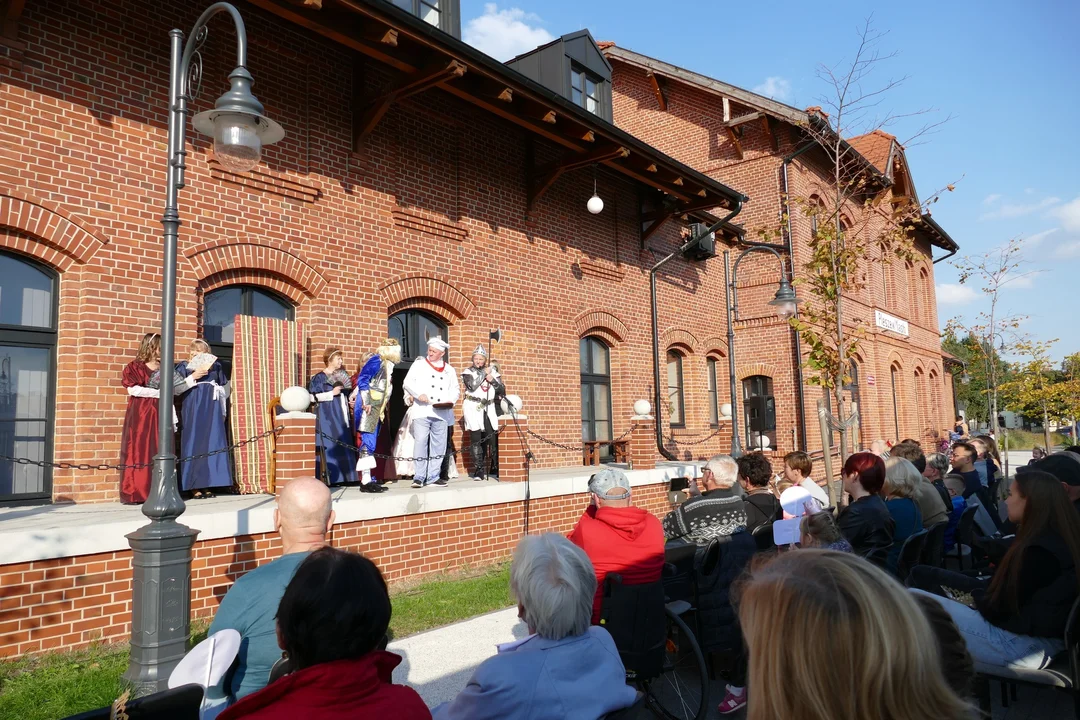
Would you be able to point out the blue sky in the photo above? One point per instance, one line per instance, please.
(1005, 71)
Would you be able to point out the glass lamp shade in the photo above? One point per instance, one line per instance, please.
(785, 310)
(237, 145)
(595, 204)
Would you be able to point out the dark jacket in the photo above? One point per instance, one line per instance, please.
(761, 509)
(713, 514)
(342, 690)
(1046, 591)
(867, 525)
(719, 622)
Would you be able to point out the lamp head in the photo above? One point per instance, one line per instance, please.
(595, 204)
(238, 126)
(785, 301)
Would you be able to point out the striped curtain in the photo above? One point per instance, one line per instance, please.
(268, 356)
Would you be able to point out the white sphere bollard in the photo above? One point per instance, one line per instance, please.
(642, 408)
(295, 399)
(725, 411)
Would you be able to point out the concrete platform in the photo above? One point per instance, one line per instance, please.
(51, 531)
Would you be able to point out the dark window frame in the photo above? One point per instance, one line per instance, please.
(224, 350)
(577, 69)
(589, 378)
(894, 371)
(713, 392)
(680, 389)
(448, 10)
(412, 333)
(759, 386)
(29, 336)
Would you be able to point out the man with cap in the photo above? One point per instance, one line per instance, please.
(617, 536)
(433, 385)
(482, 384)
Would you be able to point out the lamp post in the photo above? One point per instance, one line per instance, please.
(161, 550)
(785, 303)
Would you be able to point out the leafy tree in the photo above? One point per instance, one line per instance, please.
(1034, 389)
(971, 387)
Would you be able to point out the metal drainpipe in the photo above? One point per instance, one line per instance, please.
(795, 333)
(656, 330)
(946, 257)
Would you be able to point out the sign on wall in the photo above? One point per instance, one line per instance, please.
(890, 323)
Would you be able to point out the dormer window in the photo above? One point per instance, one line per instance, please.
(443, 14)
(585, 89)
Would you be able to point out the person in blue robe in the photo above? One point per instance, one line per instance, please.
(373, 387)
(335, 453)
(202, 416)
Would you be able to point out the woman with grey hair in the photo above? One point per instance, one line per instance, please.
(937, 467)
(564, 668)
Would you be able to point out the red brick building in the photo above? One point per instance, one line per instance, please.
(901, 380)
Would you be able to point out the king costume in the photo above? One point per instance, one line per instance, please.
(373, 386)
(439, 383)
(482, 387)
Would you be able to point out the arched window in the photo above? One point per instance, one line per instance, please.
(594, 360)
(926, 291)
(28, 308)
(220, 308)
(711, 390)
(676, 406)
(894, 376)
(411, 328)
(915, 307)
(759, 412)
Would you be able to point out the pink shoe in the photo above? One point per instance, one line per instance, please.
(732, 703)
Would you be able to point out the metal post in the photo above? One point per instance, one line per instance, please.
(826, 456)
(736, 448)
(162, 549)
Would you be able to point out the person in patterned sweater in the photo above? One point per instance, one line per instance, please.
(718, 511)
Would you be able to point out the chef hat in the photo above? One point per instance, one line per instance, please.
(438, 343)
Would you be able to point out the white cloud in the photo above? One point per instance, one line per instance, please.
(504, 34)
(991, 199)
(775, 87)
(1007, 210)
(1035, 239)
(955, 294)
(1069, 214)
(1018, 280)
(1068, 250)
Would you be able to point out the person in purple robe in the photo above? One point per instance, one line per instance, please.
(335, 444)
(202, 429)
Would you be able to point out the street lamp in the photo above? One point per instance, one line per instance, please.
(161, 550)
(785, 303)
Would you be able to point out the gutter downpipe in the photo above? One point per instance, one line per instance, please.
(656, 329)
(946, 257)
(791, 255)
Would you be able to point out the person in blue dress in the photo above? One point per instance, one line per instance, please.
(202, 416)
(335, 453)
(373, 388)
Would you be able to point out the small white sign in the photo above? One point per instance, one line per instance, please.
(893, 324)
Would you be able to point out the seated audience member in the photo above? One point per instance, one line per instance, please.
(937, 467)
(1017, 618)
(617, 536)
(1065, 466)
(901, 479)
(717, 512)
(955, 485)
(331, 624)
(964, 458)
(819, 530)
(880, 448)
(797, 469)
(931, 506)
(762, 507)
(303, 518)
(866, 522)
(956, 662)
(1037, 454)
(565, 668)
(807, 614)
(720, 623)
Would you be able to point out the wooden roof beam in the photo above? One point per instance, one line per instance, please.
(749, 117)
(767, 125)
(405, 87)
(545, 176)
(733, 135)
(657, 89)
(648, 232)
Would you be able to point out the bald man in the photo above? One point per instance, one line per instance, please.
(302, 518)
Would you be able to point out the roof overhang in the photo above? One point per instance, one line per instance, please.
(936, 234)
(428, 57)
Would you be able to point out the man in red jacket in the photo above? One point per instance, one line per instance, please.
(618, 537)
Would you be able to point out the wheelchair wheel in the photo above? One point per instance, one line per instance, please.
(681, 691)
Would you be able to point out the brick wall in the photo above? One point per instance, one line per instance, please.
(70, 602)
(430, 216)
(692, 130)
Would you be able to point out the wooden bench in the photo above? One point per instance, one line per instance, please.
(591, 450)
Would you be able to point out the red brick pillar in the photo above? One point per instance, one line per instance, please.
(642, 442)
(295, 455)
(513, 439)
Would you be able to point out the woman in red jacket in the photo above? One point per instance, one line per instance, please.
(331, 624)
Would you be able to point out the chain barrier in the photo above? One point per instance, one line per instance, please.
(494, 434)
(680, 442)
(137, 466)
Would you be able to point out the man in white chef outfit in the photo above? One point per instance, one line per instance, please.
(433, 385)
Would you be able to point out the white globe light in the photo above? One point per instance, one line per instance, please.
(642, 407)
(237, 145)
(786, 310)
(725, 410)
(595, 204)
(295, 399)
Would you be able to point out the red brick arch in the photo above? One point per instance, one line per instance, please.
(603, 324)
(715, 347)
(681, 338)
(266, 280)
(46, 231)
(745, 371)
(429, 293)
(260, 259)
